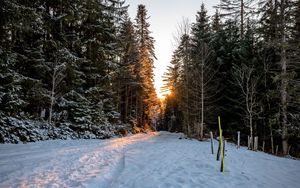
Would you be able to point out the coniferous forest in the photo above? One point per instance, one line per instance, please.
(84, 69)
(243, 64)
(79, 68)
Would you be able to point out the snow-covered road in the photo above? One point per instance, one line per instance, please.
(144, 160)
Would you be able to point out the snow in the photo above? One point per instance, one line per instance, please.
(155, 160)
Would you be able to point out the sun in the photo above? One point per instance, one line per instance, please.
(161, 91)
(164, 94)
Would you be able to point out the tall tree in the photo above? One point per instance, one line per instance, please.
(148, 101)
(126, 77)
(205, 87)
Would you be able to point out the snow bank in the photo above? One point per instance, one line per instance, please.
(155, 160)
(13, 130)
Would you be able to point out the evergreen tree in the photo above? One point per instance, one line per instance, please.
(54, 49)
(224, 43)
(126, 78)
(148, 101)
(184, 50)
(205, 87)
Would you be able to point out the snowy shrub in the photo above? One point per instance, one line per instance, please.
(13, 130)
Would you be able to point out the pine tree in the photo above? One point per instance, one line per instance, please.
(126, 79)
(22, 33)
(184, 51)
(10, 89)
(205, 87)
(148, 102)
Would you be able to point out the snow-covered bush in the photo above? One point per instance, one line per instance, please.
(13, 130)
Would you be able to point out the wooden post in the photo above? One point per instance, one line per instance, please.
(211, 142)
(249, 142)
(238, 139)
(221, 145)
(218, 153)
(276, 152)
(263, 146)
(255, 143)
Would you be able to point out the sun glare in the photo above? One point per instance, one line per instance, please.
(163, 95)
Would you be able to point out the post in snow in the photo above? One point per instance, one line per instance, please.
(255, 143)
(238, 139)
(221, 145)
(211, 142)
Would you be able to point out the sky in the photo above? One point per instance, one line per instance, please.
(165, 15)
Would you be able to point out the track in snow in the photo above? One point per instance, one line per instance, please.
(144, 160)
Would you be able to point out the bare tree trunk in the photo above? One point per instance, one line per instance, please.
(249, 142)
(251, 132)
(202, 98)
(119, 99)
(188, 111)
(126, 103)
(284, 83)
(188, 129)
(131, 103)
(187, 82)
(246, 80)
(272, 140)
(141, 113)
(136, 108)
(52, 97)
(57, 77)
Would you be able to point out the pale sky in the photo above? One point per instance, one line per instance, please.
(165, 15)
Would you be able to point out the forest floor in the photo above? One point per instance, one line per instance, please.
(153, 160)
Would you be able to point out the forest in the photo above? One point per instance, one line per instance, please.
(242, 64)
(84, 69)
(78, 67)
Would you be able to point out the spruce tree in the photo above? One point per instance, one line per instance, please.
(148, 101)
(205, 87)
(184, 53)
(126, 78)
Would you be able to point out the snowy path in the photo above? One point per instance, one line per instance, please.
(154, 160)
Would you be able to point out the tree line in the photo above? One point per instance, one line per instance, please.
(242, 63)
(82, 62)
